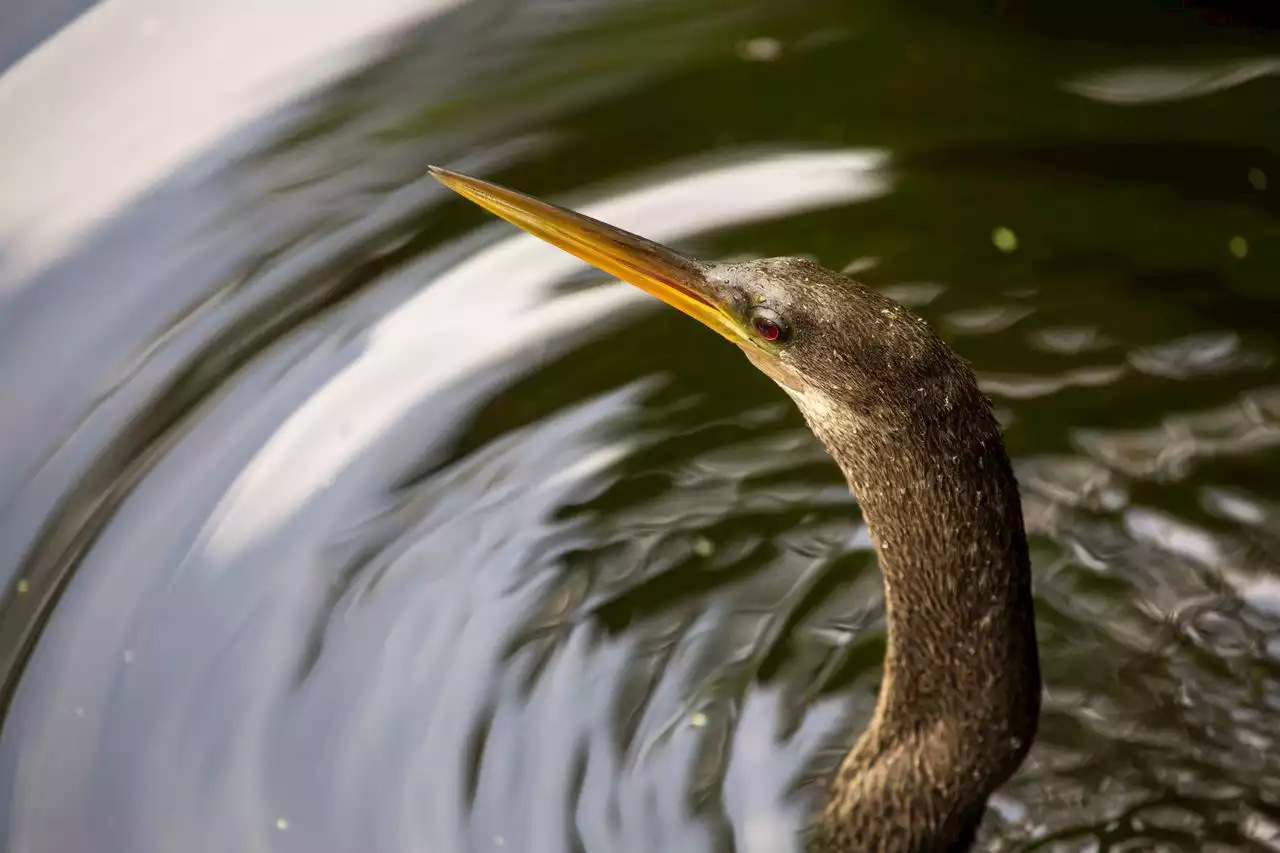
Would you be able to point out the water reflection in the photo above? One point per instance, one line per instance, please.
(1249, 424)
(1203, 354)
(282, 478)
(184, 75)
(373, 524)
(1153, 85)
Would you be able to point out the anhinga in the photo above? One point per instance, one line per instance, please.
(917, 441)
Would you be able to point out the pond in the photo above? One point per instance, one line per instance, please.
(337, 515)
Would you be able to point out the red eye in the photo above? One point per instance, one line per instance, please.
(767, 329)
(768, 325)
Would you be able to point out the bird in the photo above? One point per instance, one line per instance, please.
(902, 415)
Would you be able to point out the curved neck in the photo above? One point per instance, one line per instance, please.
(960, 696)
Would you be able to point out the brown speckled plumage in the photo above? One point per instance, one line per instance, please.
(903, 417)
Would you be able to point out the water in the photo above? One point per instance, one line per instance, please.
(336, 515)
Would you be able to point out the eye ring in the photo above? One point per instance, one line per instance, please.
(769, 327)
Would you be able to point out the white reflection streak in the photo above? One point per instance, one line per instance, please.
(1138, 85)
(496, 304)
(1174, 536)
(132, 89)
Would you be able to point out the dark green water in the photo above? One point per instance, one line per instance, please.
(338, 516)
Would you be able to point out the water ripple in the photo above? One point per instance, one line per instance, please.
(338, 516)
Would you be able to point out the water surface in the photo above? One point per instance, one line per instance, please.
(337, 516)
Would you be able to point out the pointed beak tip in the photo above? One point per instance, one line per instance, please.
(449, 178)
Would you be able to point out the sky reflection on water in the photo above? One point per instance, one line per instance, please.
(338, 516)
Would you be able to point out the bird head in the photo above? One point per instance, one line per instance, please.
(842, 351)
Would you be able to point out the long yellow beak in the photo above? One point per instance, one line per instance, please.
(675, 279)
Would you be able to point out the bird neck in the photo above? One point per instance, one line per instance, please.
(960, 695)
